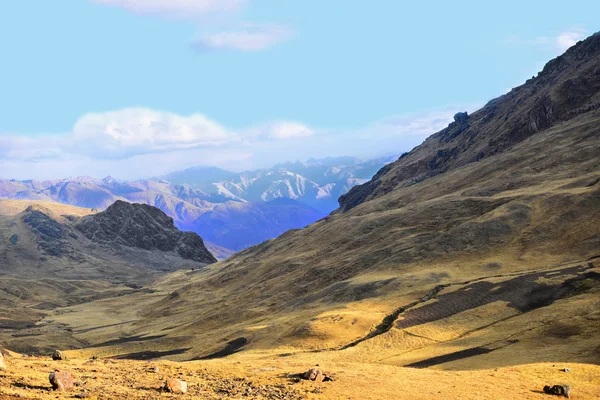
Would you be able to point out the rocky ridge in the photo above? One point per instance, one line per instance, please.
(145, 227)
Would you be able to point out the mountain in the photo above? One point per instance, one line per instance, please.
(54, 255)
(317, 182)
(145, 227)
(238, 225)
(200, 177)
(567, 87)
(479, 249)
(229, 209)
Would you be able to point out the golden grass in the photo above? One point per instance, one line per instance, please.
(27, 378)
(13, 207)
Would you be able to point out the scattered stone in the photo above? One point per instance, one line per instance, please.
(566, 370)
(2, 364)
(86, 394)
(58, 355)
(558, 390)
(175, 386)
(62, 381)
(156, 370)
(316, 375)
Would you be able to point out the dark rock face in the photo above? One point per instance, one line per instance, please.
(567, 87)
(51, 234)
(461, 118)
(145, 227)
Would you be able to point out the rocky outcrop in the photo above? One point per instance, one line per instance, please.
(144, 227)
(50, 233)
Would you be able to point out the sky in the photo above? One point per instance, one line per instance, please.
(139, 88)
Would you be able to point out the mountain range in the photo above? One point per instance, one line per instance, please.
(232, 211)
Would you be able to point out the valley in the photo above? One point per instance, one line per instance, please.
(467, 268)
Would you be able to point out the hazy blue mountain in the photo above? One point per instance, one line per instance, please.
(237, 225)
(231, 210)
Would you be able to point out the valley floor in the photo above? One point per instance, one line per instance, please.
(271, 377)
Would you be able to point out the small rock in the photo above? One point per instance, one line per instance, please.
(175, 386)
(311, 374)
(156, 370)
(2, 364)
(316, 375)
(566, 370)
(58, 355)
(61, 380)
(558, 390)
(86, 394)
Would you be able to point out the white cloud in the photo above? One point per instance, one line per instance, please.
(138, 142)
(559, 43)
(139, 130)
(249, 38)
(175, 9)
(277, 130)
(568, 39)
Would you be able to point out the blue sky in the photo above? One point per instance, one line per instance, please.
(134, 88)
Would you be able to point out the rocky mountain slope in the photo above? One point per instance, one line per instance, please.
(483, 256)
(568, 86)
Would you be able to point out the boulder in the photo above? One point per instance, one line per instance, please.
(558, 390)
(175, 386)
(58, 356)
(62, 381)
(316, 375)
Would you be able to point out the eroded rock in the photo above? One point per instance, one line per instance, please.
(558, 390)
(2, 363)
(58, 356)
(316, 375)
(62, 381)
(175, 386)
